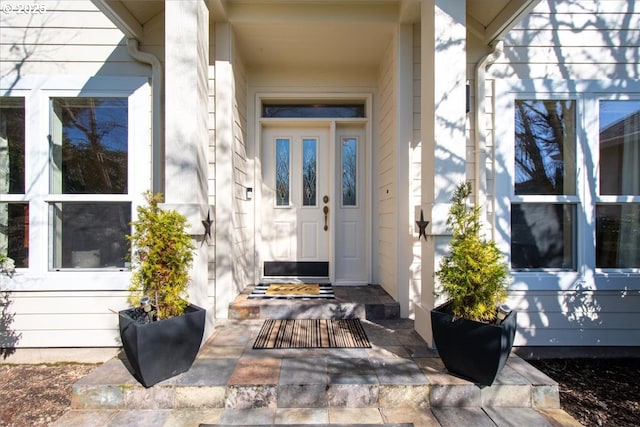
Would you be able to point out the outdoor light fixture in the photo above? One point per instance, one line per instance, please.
(503, 311)
(249, 193)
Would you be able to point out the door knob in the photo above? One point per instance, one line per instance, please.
(326, 214)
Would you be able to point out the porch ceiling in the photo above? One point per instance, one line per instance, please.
(350, 33)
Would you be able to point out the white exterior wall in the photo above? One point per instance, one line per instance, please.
(415, 172)
(55, 42)
(571, 47)
(581, 39)
(559, 41)
(387, 191)
(49, 54)
(211, 171)
(443, 135)
(240, 237)
(243, 244)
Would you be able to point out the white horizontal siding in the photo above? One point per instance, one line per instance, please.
(73, 338)
(70, 37)
(587, 39)
(64, 319)
(57, 53)
(562, 41)
(572, 38)
(387, 185)
(69, 41)
(60, 322)
(242, 222)
(592, 9)
(577, 318)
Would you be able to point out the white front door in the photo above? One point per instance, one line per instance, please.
(296, 204)
(315, 203)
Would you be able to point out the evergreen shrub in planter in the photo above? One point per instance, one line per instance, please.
(162, 335)
(471, 339)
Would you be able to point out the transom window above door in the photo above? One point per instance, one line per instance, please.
(315, 110)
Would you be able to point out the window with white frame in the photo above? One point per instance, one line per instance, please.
(67, 190)
(618, 201)
(14, 210)
(575, 174)
(89, 149)
(543, 217)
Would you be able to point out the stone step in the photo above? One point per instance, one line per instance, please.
(399, 371)
(362, 302)
(209, 384)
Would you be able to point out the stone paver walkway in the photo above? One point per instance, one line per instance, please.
(399, 381)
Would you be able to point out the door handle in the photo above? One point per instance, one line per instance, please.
(326, 214)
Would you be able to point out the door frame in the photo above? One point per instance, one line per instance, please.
(331, 124)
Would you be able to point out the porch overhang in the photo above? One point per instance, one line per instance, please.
(489, 20)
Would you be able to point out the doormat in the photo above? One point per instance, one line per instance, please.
(312, 333)
(293, 291)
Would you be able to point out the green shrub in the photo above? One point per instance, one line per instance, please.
(474, 275)
(162, 256)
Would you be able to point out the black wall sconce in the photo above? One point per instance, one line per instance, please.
(468, 98)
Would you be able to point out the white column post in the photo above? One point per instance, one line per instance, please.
(443, 106)
(224, 94)
(186, 125)
(404, 119)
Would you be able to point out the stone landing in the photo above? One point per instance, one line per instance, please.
(363, 302)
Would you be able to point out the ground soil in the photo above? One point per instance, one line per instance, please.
(597, 392)
(37, 395)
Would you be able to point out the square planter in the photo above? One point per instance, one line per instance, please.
(162, 349)
(475, 351)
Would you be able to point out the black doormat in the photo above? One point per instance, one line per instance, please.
(293, 291)
(312, 333)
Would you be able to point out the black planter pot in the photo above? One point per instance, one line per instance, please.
(472, 350)
(162, 349)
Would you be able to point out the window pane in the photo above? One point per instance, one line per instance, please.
(545, 151)
(89, 235)
(12, 146)
(313, 110)
(349, 171)
(620, 148)
(617, 236)
(89, 146)
(14, 232)
(282, 172)
(309, 166)
(543, 236)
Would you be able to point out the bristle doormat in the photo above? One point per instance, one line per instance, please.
(293, 291)
(312, 333)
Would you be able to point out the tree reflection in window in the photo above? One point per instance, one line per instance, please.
(282, 172)
(619, 148)
(309, 171)
(12, 128)
(349, 171)
(89, 146)
(545, 147)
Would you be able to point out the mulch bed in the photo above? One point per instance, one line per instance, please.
(37, 395)
(597, 392)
